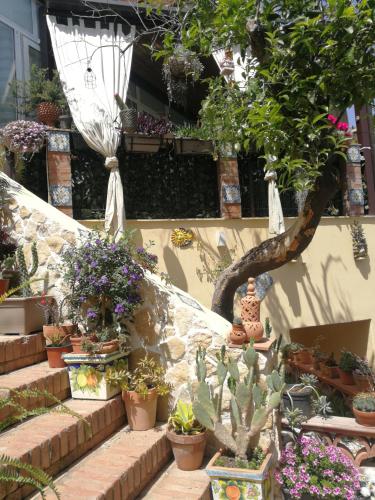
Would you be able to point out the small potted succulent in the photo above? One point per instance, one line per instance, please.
(128, 116)
(56, 347)
(363, 375)
(364, 408)
(23, 136)
(237, 335)
(41, 95)
(140, 390)
(304, 356)
(241, 469)
(308, 469)
(187, 436)
(305, 397)
(347, 365)
(54, 324)
(290, 351)
(329, 367)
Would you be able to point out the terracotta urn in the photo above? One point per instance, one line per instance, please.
(250, 313)
(237, 335)
(48, 113)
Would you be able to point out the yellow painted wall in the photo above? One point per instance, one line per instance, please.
(325, 286)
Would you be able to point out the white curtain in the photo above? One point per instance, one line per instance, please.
(94, 64)
(275, 211)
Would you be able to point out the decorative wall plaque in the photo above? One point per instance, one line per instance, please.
(354, 153)
(356, 197)
(58, 141)
(231, 193)
(61, 196)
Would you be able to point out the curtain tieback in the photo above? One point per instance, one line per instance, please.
(271, 175)
(111, 162)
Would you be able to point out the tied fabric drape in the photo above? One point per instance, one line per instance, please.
(94, 64)
(275, 211)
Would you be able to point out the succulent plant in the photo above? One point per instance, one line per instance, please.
(183, 420)
(364, 401)
(250, 405)
(348, 361)
(27, 274)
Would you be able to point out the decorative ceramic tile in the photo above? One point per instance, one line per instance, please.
(356, 197)
(190, 302)
(263, 283)
(354, 153)
(61, 196)
(231, 193)
(58, 141)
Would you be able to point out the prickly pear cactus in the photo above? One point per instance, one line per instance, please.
(25, 274)
(250, 405)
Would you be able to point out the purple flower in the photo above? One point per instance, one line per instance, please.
(104, 280)
(94, 263)
(82, 298)
(91, 314)
(119, 309)
(113, 247)
(125, 270)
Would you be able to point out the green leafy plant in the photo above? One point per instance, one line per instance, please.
(38, 89)
(148, 374)
(290, 349)
(183, 420)
(250, 405)
(364, 401)
(348, 362)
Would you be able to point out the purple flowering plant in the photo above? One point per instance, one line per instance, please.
(309, 467)
(23, 136)
(104, 281)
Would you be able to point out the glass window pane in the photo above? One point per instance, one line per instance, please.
(7, 73)
(18, 11)
(34, 57)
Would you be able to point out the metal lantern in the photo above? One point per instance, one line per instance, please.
(90, 78)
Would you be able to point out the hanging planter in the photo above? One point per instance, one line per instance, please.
(193, 146)
(23, 136)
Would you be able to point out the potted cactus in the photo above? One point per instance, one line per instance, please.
(241, 469)
(347, 365)
(55, 347)
(187, 436)
(364, 408)
(22, 314)
(128, 116)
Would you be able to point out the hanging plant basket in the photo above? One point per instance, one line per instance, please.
(23, 136)
(193, 146)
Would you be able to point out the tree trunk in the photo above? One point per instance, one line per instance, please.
(277, 251)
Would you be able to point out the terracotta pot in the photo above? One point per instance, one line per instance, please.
(366, 418)
(141, 411)
(188, 451)
(330, 371)
(106, 347)
(305, 357)
(4, 285)
(363, 382)
(54, 355)
(237, 335)
(346, 377)
(48, 113)
(50, 331)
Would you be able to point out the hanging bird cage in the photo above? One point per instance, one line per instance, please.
(90, 78)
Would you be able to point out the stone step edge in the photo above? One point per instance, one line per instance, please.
(124, 465)
(54, 441)
(20, 351)
(39, 377)
(172, 482)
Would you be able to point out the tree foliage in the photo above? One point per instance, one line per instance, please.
(311, 58)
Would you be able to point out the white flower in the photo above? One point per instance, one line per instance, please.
(365, 492)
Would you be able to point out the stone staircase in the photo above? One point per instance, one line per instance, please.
(106, 461)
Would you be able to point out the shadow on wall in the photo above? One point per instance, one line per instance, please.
(296, 282)
(174, 269)
(351, 336)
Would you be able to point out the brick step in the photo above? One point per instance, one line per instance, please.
(39, 376)
(175, 483)
(118, 469)
(54, 441)
(19, 351)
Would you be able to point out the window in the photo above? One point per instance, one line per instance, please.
(20, 48)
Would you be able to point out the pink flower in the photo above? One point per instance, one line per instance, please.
(342, 126)
(332, 118)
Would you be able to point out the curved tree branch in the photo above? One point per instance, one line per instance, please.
(277, 251)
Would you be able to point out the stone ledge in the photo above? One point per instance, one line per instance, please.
(119, 469)
(53, 442)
